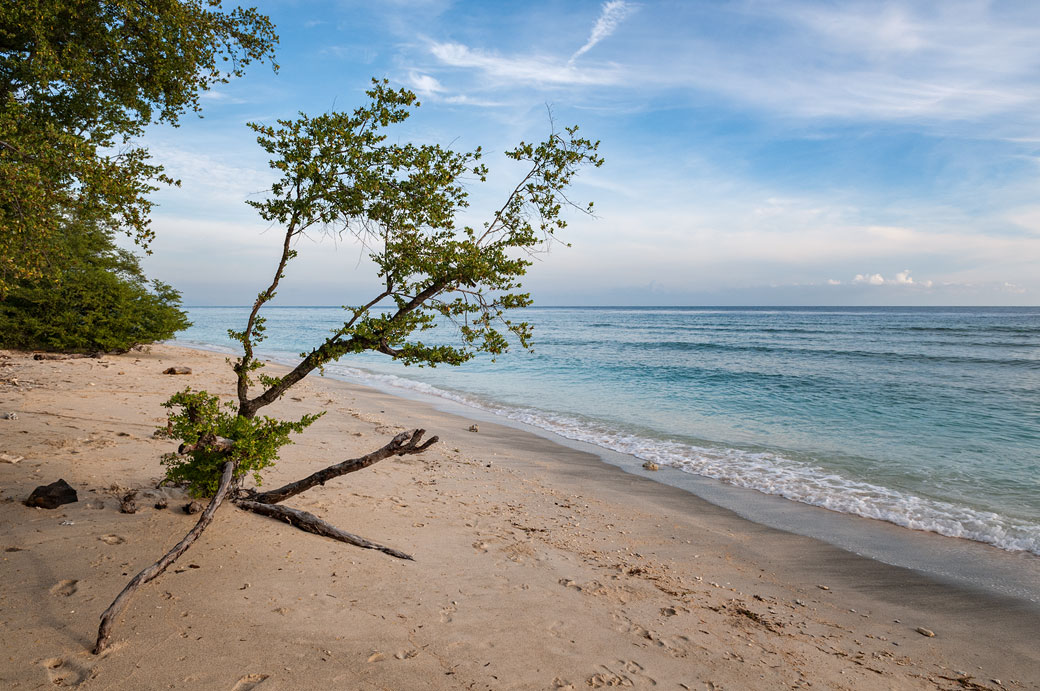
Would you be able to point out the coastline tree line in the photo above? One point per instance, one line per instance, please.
(80, 79)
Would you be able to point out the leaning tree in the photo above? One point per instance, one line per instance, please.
(339, 174)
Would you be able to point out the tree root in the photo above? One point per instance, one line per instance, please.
(310, 523)
(266, 503)
(403, 444)
(108, 618)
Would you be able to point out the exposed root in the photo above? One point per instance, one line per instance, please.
(403, 444)
(312, 524)
(108, 618)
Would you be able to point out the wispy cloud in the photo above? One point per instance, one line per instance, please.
(524, 69)
(612, 14)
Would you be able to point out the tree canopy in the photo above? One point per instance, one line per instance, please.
(99, 301)
(339, 173)
(80, 80)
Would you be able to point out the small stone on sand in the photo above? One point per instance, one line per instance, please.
(52, 496)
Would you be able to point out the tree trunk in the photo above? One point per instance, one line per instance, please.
(108, 618)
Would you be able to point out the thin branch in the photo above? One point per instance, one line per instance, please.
(242, 368)
(403, 444)
(312, 361)
(153, 571)
(312, 524)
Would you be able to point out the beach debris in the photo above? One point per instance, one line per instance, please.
(52, 496)
(8, 416)
(128, 502)
(650, 465)
(64, 356)
(7, 458)
(925, 632)
(823, 587)
(474, 428)
(177, 370)
(161, 503)
(193, 507)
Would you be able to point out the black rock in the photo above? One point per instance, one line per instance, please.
(52, 496)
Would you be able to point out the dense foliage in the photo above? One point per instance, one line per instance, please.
(99, 301)
(79, 82)
(341, 174)
(200, 420)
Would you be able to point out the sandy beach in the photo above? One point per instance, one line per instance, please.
(537, 566)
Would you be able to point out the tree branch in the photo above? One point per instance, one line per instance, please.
(403, 444)
(156, 569)
(317, 357)
(242, 367)
(312, 524)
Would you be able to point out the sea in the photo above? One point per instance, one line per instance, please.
(924, 418)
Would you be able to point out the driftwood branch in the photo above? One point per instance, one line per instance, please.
(65, 356)
(108, 618)
(312, 524)
(403, 444)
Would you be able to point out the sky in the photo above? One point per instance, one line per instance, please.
(757, 153)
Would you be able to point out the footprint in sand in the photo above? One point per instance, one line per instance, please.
(249, 681)
(64, 588)
(619, 675)
(62, 673)
(112, 539)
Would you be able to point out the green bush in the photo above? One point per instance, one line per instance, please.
(200, 419)
(98, 301)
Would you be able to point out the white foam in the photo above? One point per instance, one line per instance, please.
(765, 472)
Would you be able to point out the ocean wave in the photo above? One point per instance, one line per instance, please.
(766, 472)
(688, 346)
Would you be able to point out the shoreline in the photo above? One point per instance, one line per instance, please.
(958, 561)
(612, 576)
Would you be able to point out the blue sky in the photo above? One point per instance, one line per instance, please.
(828, 153)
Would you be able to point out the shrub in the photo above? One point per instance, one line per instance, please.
(99, 300)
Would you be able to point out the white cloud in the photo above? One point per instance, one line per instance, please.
(424, 83)
(612, 14)
(903, 278)
(511, 71)
(872, 279)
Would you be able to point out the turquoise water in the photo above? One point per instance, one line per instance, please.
(928, 418)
